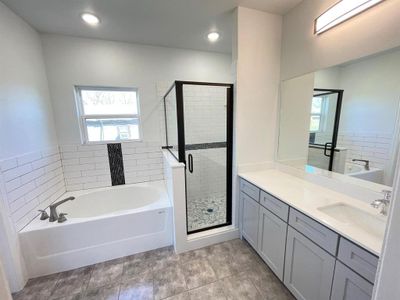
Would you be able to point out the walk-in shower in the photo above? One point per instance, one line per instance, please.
(198, 123)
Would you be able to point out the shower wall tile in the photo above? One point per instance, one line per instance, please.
(205, 114)
(142, 162)
(373, 146)
(87, 166)
(209, 173)
(30, 182)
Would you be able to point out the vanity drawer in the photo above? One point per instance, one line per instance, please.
(319, 234)
(250, 190)
(358, 259)
(274, 205)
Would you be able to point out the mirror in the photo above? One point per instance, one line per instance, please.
(344, 119)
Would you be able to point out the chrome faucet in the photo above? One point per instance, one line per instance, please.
(383, 203)
(364, 161)
(53, 209)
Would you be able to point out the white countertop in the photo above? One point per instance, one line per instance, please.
(307, 197)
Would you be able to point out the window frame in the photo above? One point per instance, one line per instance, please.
(82, 117)
(322, 115)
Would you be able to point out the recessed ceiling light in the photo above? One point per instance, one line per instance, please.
(213, 36)
(90, 19)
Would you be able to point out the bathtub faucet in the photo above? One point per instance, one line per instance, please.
(363, 160)
(53, 209)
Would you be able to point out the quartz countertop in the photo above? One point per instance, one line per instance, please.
(309, 198)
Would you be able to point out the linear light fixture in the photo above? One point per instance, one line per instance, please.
(340, 12)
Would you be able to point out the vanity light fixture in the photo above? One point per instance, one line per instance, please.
(340, 12)
(213, 36)
(90, 19)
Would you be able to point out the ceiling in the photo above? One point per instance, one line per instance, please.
(170, 23)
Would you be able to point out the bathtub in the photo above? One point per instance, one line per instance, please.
(358, 171)
(102, 224)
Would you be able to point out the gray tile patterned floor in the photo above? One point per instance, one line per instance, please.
(230, 270)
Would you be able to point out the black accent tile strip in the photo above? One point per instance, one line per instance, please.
(205, 146)
(116, 162)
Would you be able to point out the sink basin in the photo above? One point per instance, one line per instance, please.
(360, 219)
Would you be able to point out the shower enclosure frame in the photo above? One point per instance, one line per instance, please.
(180, 114)
(335, 133)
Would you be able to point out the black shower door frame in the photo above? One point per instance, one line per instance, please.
(335, 134)
(229, 144)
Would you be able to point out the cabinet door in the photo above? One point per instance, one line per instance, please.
(272, 240)
(250, 219)
(348, 285)
(308, 268)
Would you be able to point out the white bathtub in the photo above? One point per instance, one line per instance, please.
(358, 171)
(102, 224)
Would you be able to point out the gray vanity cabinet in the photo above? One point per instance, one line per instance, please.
(272, 240)
(348, 285)
(250, 210)
(308, 268)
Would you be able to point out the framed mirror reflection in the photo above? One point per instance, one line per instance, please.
(343, 119)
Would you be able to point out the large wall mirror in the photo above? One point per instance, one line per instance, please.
(344, 119)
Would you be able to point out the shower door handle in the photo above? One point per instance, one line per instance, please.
(190, 163)
(326, 148)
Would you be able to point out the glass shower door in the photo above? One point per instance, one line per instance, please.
(207, 134)
(324, 125)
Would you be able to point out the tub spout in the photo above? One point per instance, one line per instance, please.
(366, 166)
(53, 208)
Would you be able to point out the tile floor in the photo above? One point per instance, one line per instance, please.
(230, 270)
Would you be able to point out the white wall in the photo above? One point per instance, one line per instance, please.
(4, 287)
(76, 61)
(257, 59)
(371, 92)
(295, 108)
(26, 120)
(327, 78)
(370, 32)
(26, 123)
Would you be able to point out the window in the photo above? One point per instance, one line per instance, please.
(318, 110)
(108, 114)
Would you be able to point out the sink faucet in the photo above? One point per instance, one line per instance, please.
(53, 209)
(383, 203)
(363, 160)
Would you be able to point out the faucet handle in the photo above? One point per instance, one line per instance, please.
(62, 218)
(44, 215)
(387, 194)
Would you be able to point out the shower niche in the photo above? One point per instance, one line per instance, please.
(198, 133)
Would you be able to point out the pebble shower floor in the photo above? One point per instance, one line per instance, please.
(206, 212)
